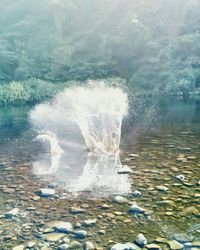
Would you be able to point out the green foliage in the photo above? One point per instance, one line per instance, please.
(154, 45)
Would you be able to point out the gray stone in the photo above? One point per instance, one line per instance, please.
(75, 245)
(63, 247)
(183, 238)
(19, 247)
(125, 170)
(88, 245)
(61, 226)
(175, 245)
(46, 192)
(80, 234)
(136, 193)
(11, 214)
(141, 240)
(90, 223)
(120, 200)
(162, 188)
(136, 209)
(53, 237)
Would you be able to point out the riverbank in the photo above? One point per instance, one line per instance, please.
(34, 91)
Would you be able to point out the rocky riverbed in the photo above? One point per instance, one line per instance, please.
(162, 211)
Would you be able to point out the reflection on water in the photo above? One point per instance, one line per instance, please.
(99, 174)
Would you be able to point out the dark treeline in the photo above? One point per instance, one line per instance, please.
(153, 44)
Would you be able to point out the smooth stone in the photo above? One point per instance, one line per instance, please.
(190, 210)
(182, 238)
(88, 245)
(125, 170)
(31, 244)
(166, 203)
(180, 177)
(136, 209)
(90, 223)
(75, 245)
(162, 188)
(152, 246)
(120, 200)
(175, 245)
(136, 193)
(46, 192)
(80, 234)
(77, 210)
(63, 247)
(54, 237)
(19, 247)
(196, 244)
(129, 246)
(9, 190)
(13, 213)
(61, 226)
(141, 240)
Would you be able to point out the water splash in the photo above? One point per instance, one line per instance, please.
(97, 110)
(90, 116)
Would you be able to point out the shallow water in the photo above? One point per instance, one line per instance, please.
(164, 137)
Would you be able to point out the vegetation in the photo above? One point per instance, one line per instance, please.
(154, 45)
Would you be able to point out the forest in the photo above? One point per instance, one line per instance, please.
(45, 45)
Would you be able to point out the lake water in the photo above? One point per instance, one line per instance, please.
(160, 140)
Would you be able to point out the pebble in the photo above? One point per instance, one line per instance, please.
(46, 192)
(136, 193)
(175, 245)
(180, 177)
(141, 240)
(88, 245)
(19, 247)
(136, 209)
(75, 245)
(89, 223)
(120, 200)
(182, 238)
(77, 210)
(80, 234)
(53, 237)
(31, 244)
(153, 246)
(125, 170)
(11, 214)
(61, 226)
(162, 188)
(63, 247)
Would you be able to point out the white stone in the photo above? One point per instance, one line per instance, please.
(141, 240)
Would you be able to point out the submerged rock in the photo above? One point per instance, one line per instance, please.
(126, 246)
(80, 234)
(180, 177)
(54, 237)
(141, 240)
(136, 209)
(11, 214)
(136, 193)
(19, 247)
(63, 247)
(77, 210)
(90, 223)
(162, 188)
(88, 245)
(182, 238)
(75, 245)
(125, 170)
(120, 200)
(46, 192)
(175, 245)
(61, 226)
